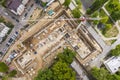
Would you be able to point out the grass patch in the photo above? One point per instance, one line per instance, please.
(102, 13)
(110, 42)
(110, 32)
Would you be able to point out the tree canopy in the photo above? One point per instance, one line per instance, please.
(3, 67)
(67, 2)
(116, 51)
(106, 28)
(95, 6)
(113, 8)
(76, 13)
(103, 74)
(66, 56)
(12, 73)
(60, 70)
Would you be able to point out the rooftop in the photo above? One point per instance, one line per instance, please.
(3, 29)
(17, 6)
(14, 4)
(113, 64)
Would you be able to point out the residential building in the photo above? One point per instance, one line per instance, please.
(113, 64)
(3, 30)
(17, 6)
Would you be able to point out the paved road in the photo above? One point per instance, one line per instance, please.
(87, 3)
(8, 17)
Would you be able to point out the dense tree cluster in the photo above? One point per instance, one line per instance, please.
(3, 67)
(116, 51)
(95, 6)
(103, 74)
(113, 8)
(60, 70)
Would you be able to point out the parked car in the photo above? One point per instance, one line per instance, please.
(6, 13)
(25, 14)
(17, 20)
(10, 40)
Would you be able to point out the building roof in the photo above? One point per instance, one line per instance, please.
(3, 30)
(14, 4)
(20, 9)
(113, 64)
(24, 2)
(17, 6)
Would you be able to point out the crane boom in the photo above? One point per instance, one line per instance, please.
(67, 19)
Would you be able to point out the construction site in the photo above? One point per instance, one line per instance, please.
(39, 50)
(39, 45)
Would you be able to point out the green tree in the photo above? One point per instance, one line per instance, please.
(78, 2)
(5, 78)
(67, 2)
(62, 71)
(106, 28)
(116, 77)
(116, 51)
(12, 73)
(45, 75)
(101, 73)
(67, 56)
(116, 15)
(114, 9)
(95, 6)
(7, 73)
(76, 13)
(3, 67)
(104, 19)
